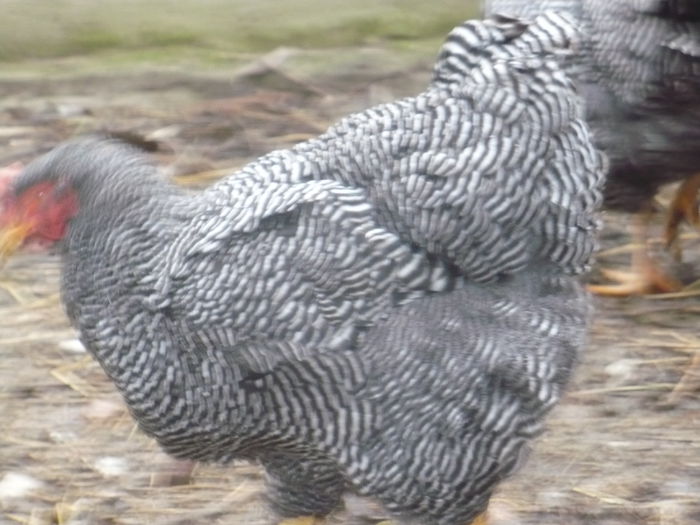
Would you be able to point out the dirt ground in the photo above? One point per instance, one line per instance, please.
(622, 448)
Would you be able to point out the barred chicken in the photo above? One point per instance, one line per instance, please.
(389, 309)
(639, 71)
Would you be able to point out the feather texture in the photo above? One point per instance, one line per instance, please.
(391, 307)
(639, 71)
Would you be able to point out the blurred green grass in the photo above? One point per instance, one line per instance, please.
(158, 30)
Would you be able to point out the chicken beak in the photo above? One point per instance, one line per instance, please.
(12, 237)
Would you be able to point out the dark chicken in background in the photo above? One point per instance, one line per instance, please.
(638, 69)
(390, 308)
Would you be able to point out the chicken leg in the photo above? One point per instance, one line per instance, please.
(302, 520)
(481, 519)
(684, 207)
(645, 276)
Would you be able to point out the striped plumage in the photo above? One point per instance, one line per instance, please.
(390, 308)
(639, 71)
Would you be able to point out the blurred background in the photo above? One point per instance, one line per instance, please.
(214, 31)
(108, 59)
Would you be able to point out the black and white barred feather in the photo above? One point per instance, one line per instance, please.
(390, 308)
(638, 69)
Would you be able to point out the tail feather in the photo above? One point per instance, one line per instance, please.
(477, 42)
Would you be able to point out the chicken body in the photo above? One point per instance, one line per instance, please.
(390, 308)
(638, 70)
